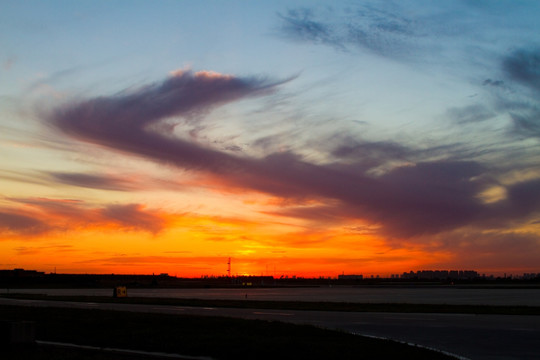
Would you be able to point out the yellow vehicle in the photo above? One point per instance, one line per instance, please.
(120, 291)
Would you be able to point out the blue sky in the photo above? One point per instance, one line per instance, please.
(412, 125)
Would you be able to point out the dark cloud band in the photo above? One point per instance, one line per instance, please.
(426, 197)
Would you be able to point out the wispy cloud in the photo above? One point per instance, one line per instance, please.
(490, 82)
(528, 124)
(301, 25)
(33, 250)
(131, 121)
(133, 216)
(514, 98)
(93, 181)
(470, 114)
(523, 66)
(387, 29)
(16, 223)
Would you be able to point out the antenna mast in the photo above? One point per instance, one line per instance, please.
(229, 268)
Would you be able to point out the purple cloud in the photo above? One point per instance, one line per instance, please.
(41, 215)
(93, 181)
(424, 197)
(133, 216)
(21, 224)
(124, 121)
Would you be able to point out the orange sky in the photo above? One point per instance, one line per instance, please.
(74, 237)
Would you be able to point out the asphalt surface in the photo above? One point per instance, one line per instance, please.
(477, 337)
(509, 296)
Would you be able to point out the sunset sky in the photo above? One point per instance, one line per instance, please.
(295, 137)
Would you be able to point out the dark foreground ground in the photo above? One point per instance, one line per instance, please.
(40, 352)
(215, 337)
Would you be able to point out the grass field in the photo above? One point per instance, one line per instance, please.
(215, 337)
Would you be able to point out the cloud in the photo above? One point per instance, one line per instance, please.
(429, 197)
(378, 157)
(523, 66)
(130, 121)
(481, 249)
(38, 216)
(410, 198)
(23, 177)
(142, 260)
(133, 216)
(470, 114)
(526, 124)
(524, 197)
(14, 223)
(520, 67)
(93, 181)
(426, 198)
(495, 83)
(387, 29)
(384, 32)
(114, 182)
(366, 28)
(452, 35)
(375, 152)
(299, 24)
(25, 250)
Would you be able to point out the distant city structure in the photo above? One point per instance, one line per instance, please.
(21, 278)
(441, 275)
(20, 273)
(350, 277)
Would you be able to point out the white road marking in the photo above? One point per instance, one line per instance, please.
(124, 351)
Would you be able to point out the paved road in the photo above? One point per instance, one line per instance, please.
(368, 294)
(477, 337)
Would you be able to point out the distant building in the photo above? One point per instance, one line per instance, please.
(254, 280)
(350, 277)
(441, 275)
(19, 273)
